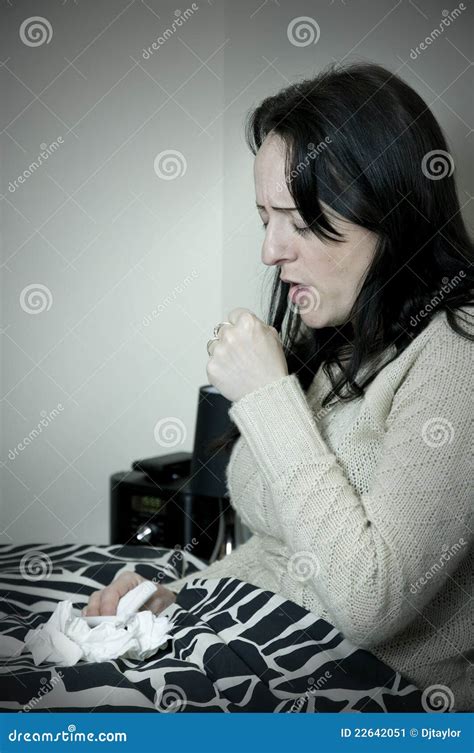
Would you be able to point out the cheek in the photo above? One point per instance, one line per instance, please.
(360, 251)
(351, 259)
(325, 264)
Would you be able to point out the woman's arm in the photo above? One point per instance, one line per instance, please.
(368, 550)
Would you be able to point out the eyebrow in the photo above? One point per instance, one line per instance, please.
(279, 209)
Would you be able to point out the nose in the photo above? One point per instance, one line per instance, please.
(276, 249)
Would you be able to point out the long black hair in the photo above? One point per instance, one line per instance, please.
(363, 142)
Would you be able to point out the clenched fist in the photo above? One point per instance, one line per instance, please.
(247, 355)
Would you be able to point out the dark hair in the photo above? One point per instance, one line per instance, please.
(363, 142)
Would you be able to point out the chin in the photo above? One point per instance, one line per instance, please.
(320, 317)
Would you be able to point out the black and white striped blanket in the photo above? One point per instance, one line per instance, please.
(234, 647)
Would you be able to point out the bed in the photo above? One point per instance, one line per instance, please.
(233, 647)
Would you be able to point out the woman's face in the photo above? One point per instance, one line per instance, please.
(332, 271)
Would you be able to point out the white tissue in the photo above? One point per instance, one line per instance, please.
(127, 606)
(135, 598)
(66, 638)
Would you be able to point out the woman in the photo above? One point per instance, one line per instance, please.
(353, 465)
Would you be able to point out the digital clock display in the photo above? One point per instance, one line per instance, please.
(147, 504)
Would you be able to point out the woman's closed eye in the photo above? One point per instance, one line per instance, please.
(300, 230)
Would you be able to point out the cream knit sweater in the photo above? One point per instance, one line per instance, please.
(362, 512)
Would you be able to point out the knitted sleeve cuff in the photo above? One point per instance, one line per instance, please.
(279, 427)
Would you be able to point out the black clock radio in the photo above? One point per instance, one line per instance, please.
(180, 500)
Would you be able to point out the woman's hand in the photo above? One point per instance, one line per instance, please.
(104, 602)
(247, 355)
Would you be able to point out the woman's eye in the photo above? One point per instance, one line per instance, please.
(301, 230)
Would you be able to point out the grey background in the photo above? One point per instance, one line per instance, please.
(112, 241)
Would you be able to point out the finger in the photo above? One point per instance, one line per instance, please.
(154, 604)
(111, 597)
(224, 329)
(159, 601)
(275, 332)
(93, 606)
(211, 348)
(236, 313)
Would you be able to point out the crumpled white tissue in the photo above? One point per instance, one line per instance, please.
(66, 638)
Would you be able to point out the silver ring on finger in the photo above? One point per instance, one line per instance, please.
(216, 335)
(208, 343)
(217, 328)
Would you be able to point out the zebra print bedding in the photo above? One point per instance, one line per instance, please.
(234, 647)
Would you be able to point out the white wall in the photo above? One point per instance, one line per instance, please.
(111, 241)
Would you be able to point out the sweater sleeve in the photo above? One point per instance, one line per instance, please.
(242, 563)
(373, 559)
